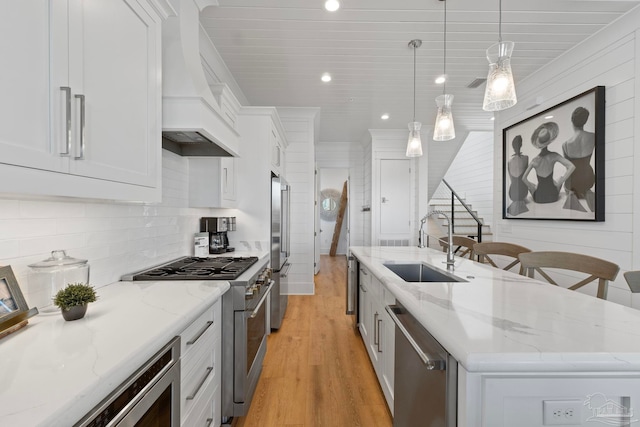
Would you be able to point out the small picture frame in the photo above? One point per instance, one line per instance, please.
(14, 310)
(553, 162)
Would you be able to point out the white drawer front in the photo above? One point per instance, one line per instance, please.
(194, 332)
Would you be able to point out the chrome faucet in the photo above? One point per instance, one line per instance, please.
(421, 233)
(450, 258)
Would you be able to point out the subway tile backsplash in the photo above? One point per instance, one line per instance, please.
(116, 238)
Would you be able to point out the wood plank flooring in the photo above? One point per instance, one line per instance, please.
(316, 372)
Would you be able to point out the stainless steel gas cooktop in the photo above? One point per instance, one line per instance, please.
(193, 268)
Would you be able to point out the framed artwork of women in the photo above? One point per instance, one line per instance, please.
(553, 162)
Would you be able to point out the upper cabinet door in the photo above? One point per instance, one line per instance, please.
(115, 60)
(35, 102)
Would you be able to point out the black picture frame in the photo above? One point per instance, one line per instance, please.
(565, 141)
(14, 310)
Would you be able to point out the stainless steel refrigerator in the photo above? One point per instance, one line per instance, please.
(280, 247)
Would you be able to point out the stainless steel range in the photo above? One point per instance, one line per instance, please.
(194, 268)
(244, 319)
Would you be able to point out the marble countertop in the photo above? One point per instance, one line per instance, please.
(53, 372)
(499, 321)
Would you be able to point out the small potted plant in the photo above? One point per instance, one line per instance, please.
(74, 299)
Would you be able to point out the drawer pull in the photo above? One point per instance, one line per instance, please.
(202, 331)
(208, 422)
(195, 392)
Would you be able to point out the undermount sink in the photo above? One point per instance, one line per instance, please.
(419, 272)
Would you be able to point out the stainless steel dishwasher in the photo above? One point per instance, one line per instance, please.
(425, 376)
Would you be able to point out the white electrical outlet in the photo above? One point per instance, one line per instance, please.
(562, 412)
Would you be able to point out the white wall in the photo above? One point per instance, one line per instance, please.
(300, 126)
(471, 173)
(367, 177)
(610, 58)
(116, 238)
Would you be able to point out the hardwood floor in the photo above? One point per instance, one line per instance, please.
(316, 371)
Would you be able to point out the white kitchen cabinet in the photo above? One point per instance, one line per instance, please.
(365, 321)
(254, 167)
(200, 374)
(80, 100)
(377, 330)
(277, 151)
(212, 182)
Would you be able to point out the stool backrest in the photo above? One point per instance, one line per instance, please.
(462, 246)
(596, 268)
(511, 250)
(633, 280)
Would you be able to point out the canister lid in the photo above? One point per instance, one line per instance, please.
(58, 258)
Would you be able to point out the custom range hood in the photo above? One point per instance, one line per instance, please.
(195, 122)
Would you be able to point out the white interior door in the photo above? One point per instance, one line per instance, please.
(395, 199)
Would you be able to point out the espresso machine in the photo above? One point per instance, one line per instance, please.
(217, 227)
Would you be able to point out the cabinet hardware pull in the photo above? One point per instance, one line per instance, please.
(375, 328)
(208, 422)
(379, 340)
(202, 381)
(82, 127)
(364, 272)
(363, 288)
(199, 334)
(67, 120)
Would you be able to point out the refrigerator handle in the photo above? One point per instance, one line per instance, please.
(286, 248)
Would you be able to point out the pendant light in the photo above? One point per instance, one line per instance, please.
(500, 92)
(414, 144)
(444, 129)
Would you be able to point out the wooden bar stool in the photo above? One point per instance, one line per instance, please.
(633, 280)
(511, 250)
(463, 246)
(596, 268)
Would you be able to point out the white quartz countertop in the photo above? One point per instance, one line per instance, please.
(53, 372)
(500, 321)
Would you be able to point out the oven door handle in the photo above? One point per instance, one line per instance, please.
(255, 311)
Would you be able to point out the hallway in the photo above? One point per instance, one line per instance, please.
(316, 371)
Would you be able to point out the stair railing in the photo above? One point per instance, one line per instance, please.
(454, 197)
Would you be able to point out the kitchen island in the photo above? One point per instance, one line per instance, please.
(53, 372)
(518, 341)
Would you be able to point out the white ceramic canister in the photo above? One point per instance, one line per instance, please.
(47, 277)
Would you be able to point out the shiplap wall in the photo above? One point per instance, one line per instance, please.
(116, 238)
(367, 179)
(299, 125)
(471, 174)
(610, 58)
(348, 155)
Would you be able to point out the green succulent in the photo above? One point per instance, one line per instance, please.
(74, 294)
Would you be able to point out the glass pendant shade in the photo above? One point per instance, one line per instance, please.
(500, 92)
(444, 129)
(414, 144)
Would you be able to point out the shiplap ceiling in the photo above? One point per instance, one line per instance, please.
(278, 49)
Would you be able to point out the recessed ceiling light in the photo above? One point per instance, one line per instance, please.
(332, 5)
(326, 77)
(385, 116)
(492, 118)
(441, 79)
(548, 117)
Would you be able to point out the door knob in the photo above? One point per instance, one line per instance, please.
(384, 200)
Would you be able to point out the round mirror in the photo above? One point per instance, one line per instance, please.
(329, 203)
